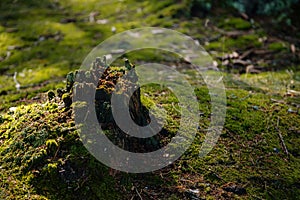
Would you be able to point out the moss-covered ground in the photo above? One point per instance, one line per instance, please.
(42, 157)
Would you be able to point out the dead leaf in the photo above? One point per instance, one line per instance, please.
(244, 15)
(293, 93)
(241, 62)
(251, 69)
(234, 54)
(92, 16)
(293, 48)
(246, 54)
(206, 23)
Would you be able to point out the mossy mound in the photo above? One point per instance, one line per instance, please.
(43, 157)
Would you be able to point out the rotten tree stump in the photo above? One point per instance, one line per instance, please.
(123, 83)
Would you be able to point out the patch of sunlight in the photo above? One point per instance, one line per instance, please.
(87, 5)
(70, 31)
(273, 82)
(113, 10)
(42, 73)
(6, 83)
(7, 40)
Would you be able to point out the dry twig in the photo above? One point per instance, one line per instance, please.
(281, 138)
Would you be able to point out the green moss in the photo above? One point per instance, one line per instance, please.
(32, 155)
(229, 44)
(243, 42)
(215, 46)
(41, 72)
(273, 82)
(277, 46)
(9, 42)
(235, 24)
(40, 150)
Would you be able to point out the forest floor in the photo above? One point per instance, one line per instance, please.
(42, 157)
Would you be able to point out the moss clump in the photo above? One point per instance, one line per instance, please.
(243, 42)
(277, 46)
(235, 24)
(42, 156)
(229, 44)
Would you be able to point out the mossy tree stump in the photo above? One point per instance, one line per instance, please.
(121, 82)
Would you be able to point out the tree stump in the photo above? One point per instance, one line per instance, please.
(123, 83)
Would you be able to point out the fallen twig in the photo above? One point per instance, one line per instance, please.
(138, 193)
(281, 139)
(278, 101)
(232, 33)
